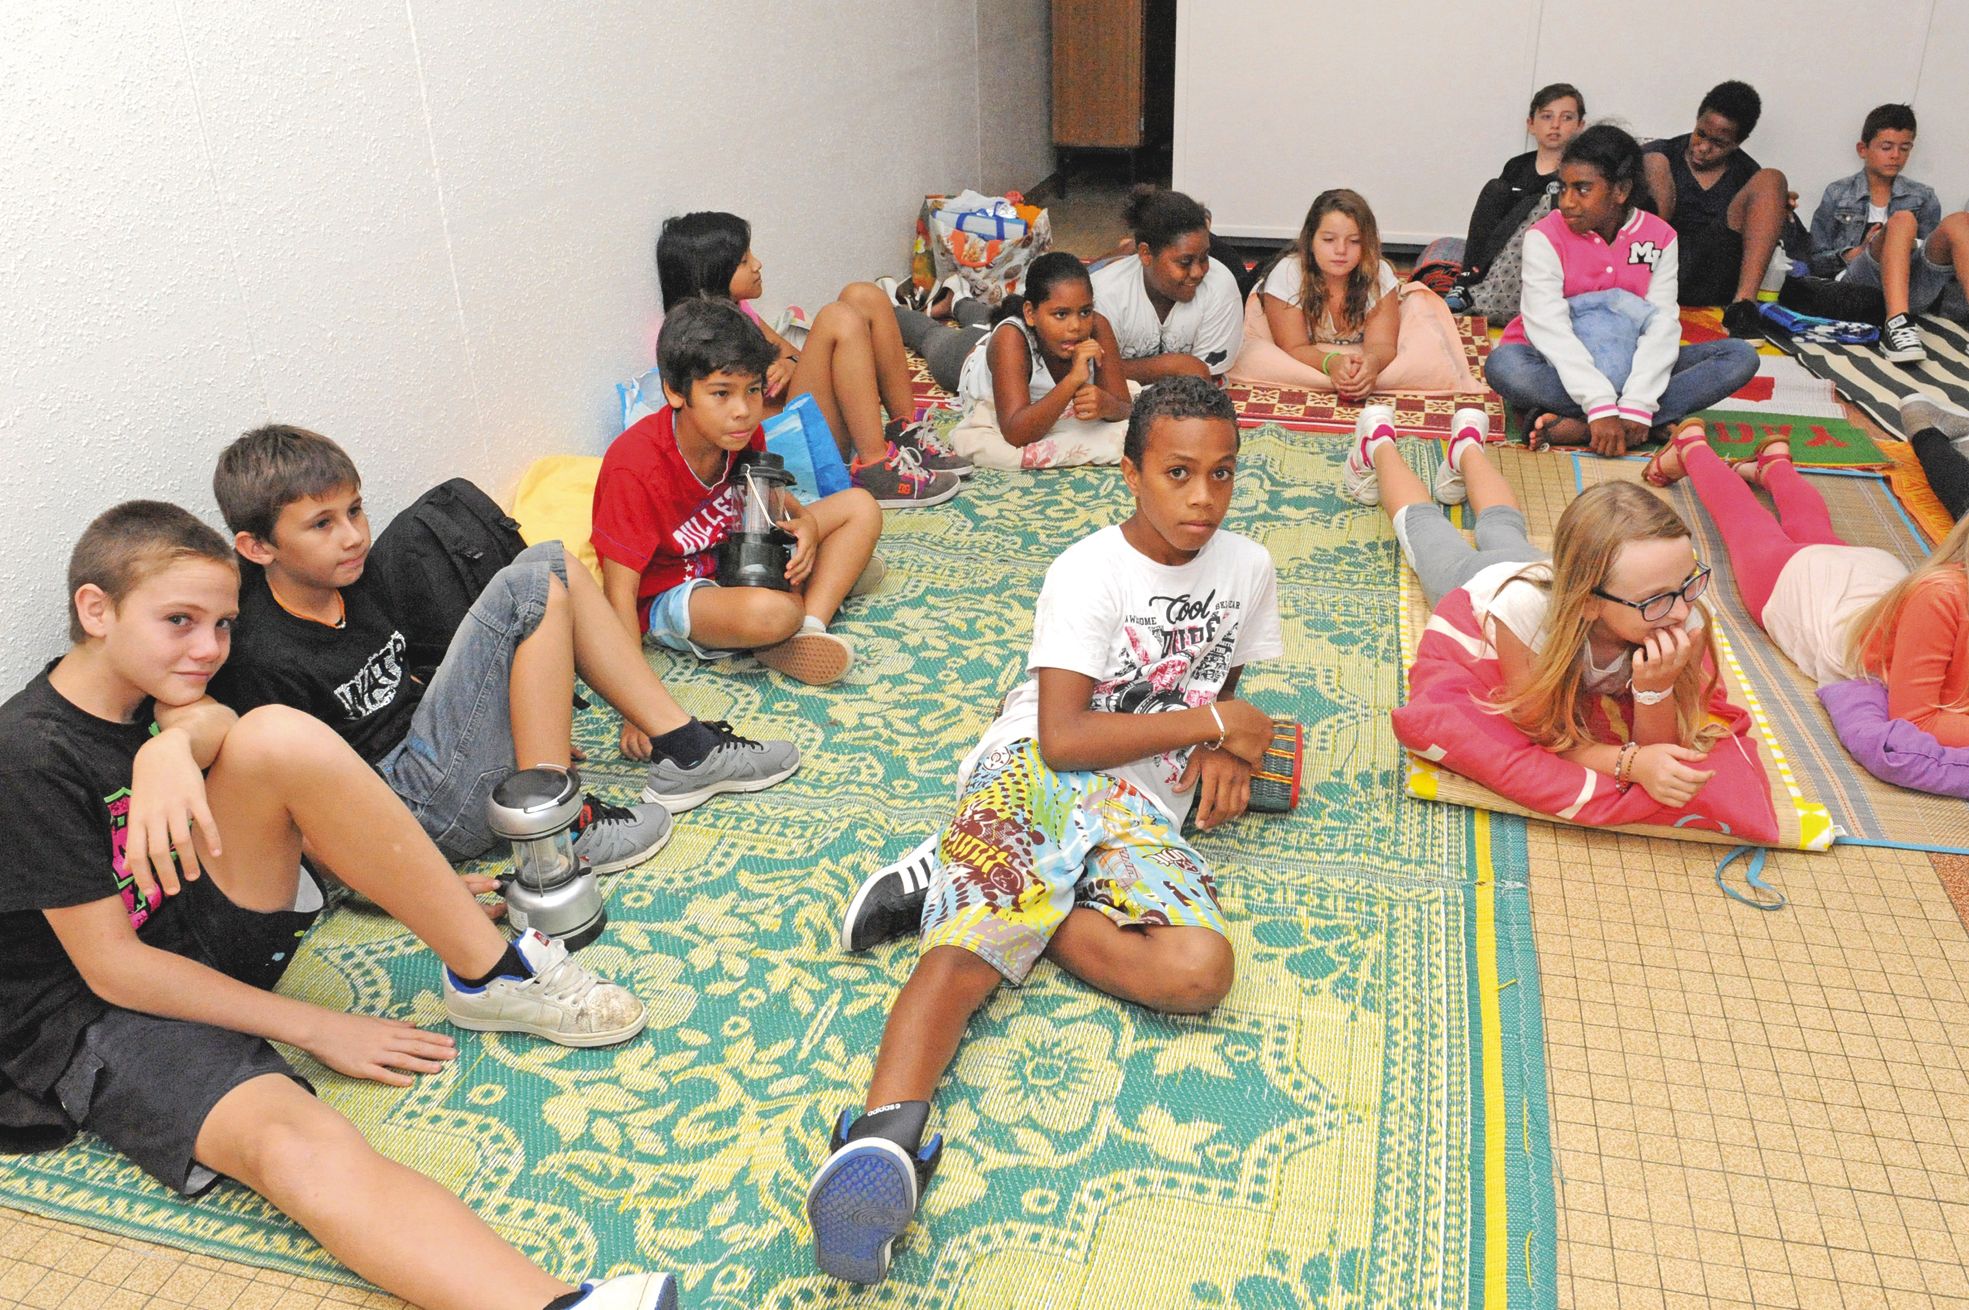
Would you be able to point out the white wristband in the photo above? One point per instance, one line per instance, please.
(1652, 697)
(1222, 731)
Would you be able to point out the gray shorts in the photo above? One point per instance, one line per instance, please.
(1928, 284)
(460, 742)
(1444, 561)
(144, 1084)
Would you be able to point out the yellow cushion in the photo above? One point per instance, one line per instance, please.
(556, 501)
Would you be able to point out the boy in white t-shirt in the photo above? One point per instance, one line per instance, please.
(1066, 842)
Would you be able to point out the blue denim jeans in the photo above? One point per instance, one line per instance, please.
(1704, 375)
(460, 742)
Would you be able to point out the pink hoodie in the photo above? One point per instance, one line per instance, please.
(1560, 264)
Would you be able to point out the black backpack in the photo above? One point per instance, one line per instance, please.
(436, 557)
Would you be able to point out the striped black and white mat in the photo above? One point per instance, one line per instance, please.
(1878, 387)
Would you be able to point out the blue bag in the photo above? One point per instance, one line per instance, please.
(799, 435)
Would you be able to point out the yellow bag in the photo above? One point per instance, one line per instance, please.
(556, 501)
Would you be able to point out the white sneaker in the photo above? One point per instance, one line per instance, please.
(562, 1001)
(1469, 425)
(630, 1292)
(1375, 425)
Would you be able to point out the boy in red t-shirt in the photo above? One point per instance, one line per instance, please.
(666, 498)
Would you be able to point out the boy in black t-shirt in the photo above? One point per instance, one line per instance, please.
(1727, 211)
(316, 632)
(156, 895)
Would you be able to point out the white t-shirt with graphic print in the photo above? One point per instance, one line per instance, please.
(1153, 637)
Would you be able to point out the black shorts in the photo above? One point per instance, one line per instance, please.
(145, 1085)
(1710, 261)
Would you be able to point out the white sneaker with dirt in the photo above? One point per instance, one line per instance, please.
(812, 655)
(560, 1001)
(1375, 425)
(629, 1292)
(1466, 431)
(1900, 341)
(900, 481)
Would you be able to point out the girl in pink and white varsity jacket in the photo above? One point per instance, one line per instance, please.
(1592, 357)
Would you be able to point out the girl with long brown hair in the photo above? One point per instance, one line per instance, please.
(1330, 298)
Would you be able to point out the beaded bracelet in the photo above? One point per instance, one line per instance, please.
(1623, 766)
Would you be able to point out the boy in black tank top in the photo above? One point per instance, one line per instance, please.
(1727, 211)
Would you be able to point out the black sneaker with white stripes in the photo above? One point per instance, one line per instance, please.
(889, 902)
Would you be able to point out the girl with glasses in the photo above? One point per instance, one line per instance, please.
(1615, 609)
(1836, 611)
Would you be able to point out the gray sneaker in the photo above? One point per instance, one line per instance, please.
(1919, 412)
(900, 480)
(611, 837)
(560, 1001)
(735, 764)
(935, 456)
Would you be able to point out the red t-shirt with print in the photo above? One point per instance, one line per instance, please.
(654, 515)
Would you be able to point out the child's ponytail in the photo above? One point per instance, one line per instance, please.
(1157, 216)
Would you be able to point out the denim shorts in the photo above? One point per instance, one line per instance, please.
(670, 621)
(1926, 282)
(460, 742)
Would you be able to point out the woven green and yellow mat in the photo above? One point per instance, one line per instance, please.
(1361, 1124)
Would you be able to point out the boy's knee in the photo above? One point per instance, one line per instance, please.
(1903, 223)
(1770, 180)
(862, 507)
(765, 617)
(272, 735)
(293, 1141)
(954, 971)
(1197, 970)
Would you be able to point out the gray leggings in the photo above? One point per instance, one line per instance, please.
(1444, 561)
(945, 348)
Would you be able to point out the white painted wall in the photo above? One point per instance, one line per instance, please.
(1452, 82)
(424, 227)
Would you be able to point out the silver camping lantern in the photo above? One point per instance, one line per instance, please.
(548, 889)
(758, 549)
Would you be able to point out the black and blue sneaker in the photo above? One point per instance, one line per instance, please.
(866, 1193)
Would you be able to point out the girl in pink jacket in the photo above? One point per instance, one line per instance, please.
(1592, 357)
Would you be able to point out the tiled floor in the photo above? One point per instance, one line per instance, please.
(1753, 1108)
(1749, 1108)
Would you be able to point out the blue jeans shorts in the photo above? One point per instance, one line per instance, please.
(1927, 283)
(460, 742)
(670, 621)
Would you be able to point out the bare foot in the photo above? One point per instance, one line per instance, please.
(1552, 430)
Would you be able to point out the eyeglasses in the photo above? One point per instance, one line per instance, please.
(1659, 606)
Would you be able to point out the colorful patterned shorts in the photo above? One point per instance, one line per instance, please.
(1028, 845)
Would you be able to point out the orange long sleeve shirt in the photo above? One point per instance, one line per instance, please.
(1927, 658)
